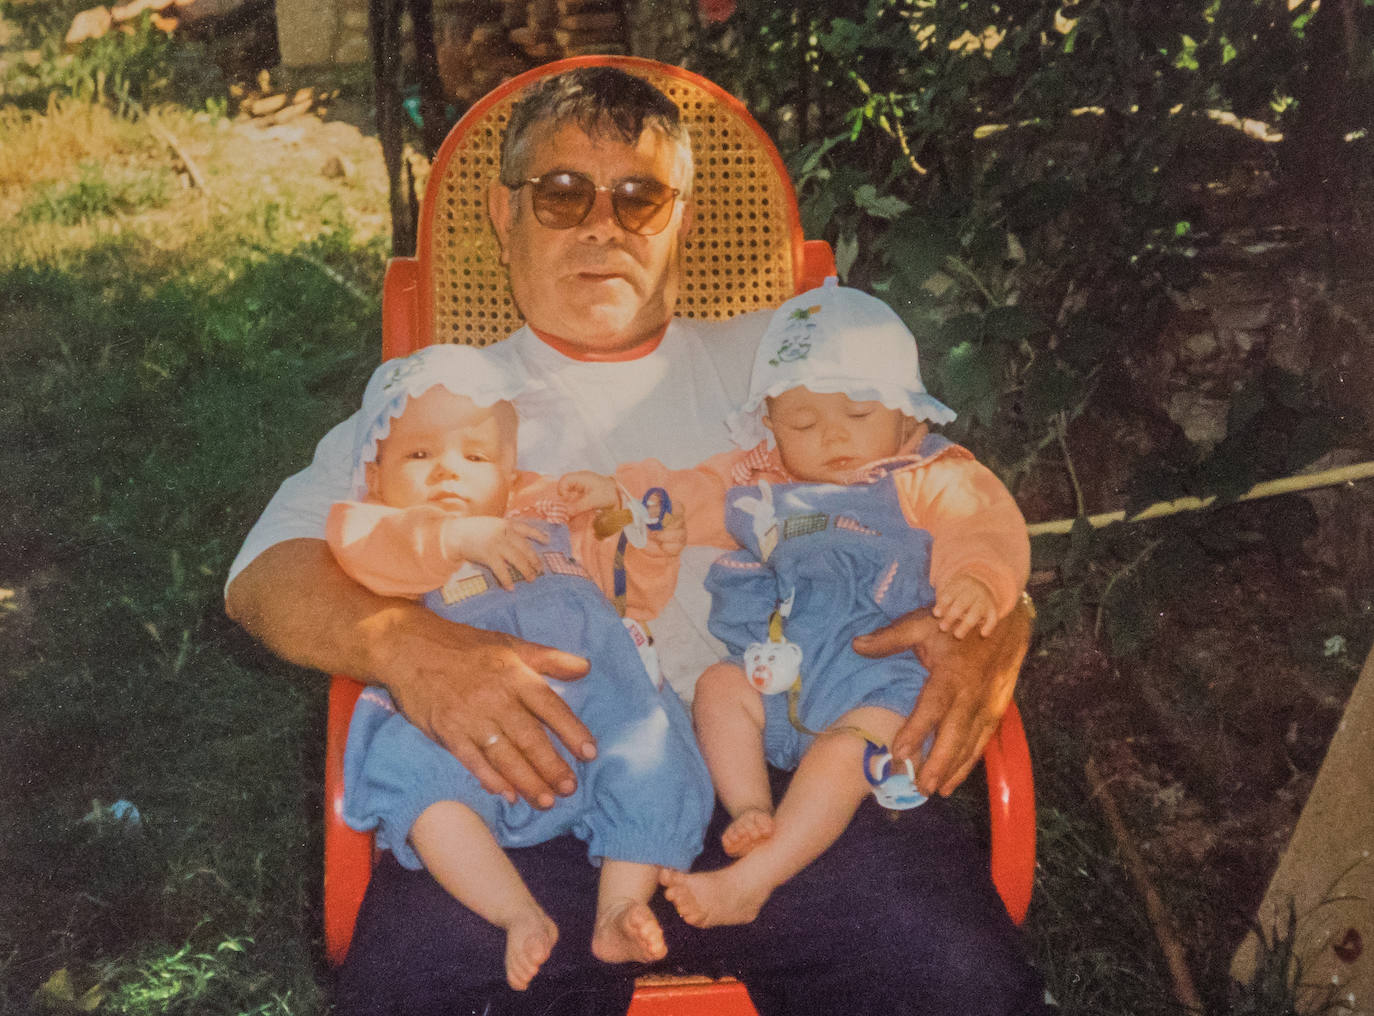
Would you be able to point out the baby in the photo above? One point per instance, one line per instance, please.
(849, 514)
(443, 512)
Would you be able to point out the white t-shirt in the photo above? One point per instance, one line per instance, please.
(670, 404)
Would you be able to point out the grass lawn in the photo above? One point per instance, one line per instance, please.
(168, 356)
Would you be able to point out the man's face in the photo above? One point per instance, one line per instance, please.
(447, 451)
(824, 437)
(596, 285)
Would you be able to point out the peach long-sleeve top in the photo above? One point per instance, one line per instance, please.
(975, 525)
(402, 552)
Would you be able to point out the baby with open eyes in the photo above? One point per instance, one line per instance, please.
(441, 512)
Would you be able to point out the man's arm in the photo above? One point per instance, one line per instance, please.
(460, 685)
(969, 687)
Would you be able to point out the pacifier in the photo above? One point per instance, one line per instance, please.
(645, 515)
(894, 788)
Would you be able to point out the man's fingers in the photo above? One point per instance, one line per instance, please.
(899, 636)
(910, 741)
(475, 762)
(510, 759)
(554, 713)
(547, 707)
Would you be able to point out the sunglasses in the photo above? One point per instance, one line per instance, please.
(564, 199)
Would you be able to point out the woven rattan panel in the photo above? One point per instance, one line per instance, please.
(738, 258)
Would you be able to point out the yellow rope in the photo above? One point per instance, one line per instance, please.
(1269, 488)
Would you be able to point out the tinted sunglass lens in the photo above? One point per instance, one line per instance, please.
(562, 200)
(643, 206)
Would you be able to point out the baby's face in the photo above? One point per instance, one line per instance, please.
(823, 438)
(447, 451)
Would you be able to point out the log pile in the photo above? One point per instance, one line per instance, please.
(482, 44)
(265, 104)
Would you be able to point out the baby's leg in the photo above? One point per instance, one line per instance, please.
(626, 929)
(460, 852)
(825, 791)
(728, 716)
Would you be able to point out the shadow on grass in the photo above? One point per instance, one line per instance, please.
(148, 419)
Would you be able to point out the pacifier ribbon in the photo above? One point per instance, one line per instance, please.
(633, 523)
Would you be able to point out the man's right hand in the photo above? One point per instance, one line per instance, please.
(480, 695)
(459, 685)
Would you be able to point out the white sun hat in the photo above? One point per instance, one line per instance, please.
(836, 339)
(463, 370)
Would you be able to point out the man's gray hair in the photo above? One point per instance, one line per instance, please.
(600, 100)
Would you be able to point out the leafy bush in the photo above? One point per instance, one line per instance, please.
(1015, 180)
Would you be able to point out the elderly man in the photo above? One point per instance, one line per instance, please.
(592, 207)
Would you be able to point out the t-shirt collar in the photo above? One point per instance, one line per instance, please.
(576, 352)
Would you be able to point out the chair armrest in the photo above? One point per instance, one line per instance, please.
(1011, 809)
(347, 852)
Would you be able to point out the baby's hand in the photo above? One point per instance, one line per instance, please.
(586, 491)
(672, 538)
(500, 544)
(964, 603)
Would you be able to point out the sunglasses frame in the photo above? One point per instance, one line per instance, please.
(613, 190)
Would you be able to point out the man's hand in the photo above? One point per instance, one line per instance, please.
(969, 687)
(480, 695)
(459, 685)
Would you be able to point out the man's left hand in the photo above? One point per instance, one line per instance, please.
(968, 690)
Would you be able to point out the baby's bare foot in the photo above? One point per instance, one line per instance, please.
(746, 831)
(529, 942)
(705, 899)
(626, 931)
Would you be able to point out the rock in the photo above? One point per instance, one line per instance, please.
(1243, 317)
(1198, 346)
(89, 24)
(1201, 418)
(336, 167)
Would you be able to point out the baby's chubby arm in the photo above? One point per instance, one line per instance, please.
(409, 551)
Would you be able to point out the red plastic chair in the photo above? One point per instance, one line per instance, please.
(746, 252)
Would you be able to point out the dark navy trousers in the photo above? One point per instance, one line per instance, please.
(898, 917)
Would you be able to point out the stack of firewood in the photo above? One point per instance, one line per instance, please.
(265, 104)
(481, 45)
